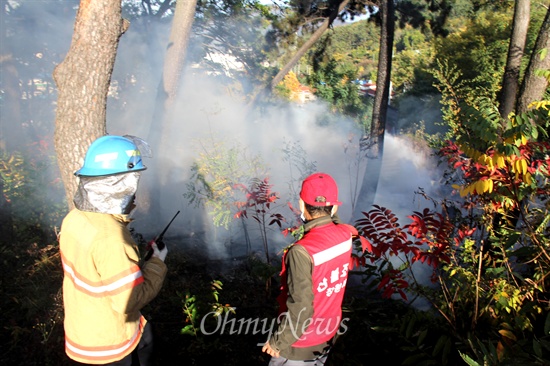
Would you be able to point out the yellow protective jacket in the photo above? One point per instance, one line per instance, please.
(103, 287)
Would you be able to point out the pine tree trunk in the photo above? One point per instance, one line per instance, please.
(163, 118)
(533, 86)
(373, 169)
(510, 83)
(83, 80)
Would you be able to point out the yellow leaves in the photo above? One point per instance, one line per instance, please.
(471, 153)
(498, 161)
(464, 191)
(490, 185)
(345, 80)
(542, 104)
(227, 189)
(291, 82)
(520, 168)
(528, 178)
(524, 140)
(493, 161)
(338, 56)
(477, 187)
(520, 141)
(483, 186)
(487, 161)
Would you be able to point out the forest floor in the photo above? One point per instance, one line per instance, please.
(254, 299)
(32, 314)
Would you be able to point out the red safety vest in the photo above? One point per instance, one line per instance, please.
(329, 247)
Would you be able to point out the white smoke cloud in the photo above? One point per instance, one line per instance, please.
(204, 110)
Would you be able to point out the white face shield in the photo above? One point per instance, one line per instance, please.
(112, 194)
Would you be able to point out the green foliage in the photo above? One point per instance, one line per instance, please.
(32, 208)
(486, 38)
(194, 310)
(12, 173)
(413, 57)
(225, 181)
(333, 83)
(35, 198)
(218, 169)
(490, 286)
(354, 45)
(491, 290)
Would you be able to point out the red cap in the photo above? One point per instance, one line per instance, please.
(320, 184)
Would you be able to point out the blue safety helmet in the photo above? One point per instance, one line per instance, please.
(110, 155)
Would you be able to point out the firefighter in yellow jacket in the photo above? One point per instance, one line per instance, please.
(104, 286)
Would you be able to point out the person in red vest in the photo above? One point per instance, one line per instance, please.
(313, 279)
(105, 285)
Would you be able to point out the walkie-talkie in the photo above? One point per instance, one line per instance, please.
(158, 240)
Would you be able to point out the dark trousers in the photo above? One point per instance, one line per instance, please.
(142, 355)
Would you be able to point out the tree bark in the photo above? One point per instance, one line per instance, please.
(369, 184)
(174, 60)
(83, 80)
(510, 83)
(163, 119)
(533, 86)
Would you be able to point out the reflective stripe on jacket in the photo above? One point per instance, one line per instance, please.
(300, 301)
(103, 354)
(103, 287)
(330, 249)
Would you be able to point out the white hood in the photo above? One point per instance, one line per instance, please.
(112, 194)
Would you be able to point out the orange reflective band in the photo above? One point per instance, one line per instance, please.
(104, 354)
(123, 281)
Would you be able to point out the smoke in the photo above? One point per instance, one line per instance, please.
(206, 116)
(407, 169)
(206, 112)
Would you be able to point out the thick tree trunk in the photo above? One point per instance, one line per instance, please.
(83, 80)
(369, 184)
(176, 50)
(163, 118)
(533, 86)
(174, 60)
(510, 83)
